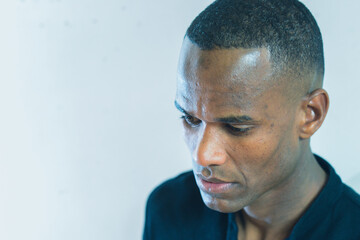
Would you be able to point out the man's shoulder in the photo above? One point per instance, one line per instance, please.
(350, 200)
(175, 209)
(183, 180)
(180, 191)
(346, 215)
(351, 195)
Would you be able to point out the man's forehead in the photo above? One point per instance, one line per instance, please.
(223, 69)
(219, 102)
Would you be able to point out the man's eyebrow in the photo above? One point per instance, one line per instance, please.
(231, 119)
(235, 119)
(180, 108)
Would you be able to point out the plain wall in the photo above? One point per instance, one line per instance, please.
(87, 124)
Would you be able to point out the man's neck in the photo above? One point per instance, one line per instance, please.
(275, 213)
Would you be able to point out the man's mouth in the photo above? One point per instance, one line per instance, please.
(214, 185)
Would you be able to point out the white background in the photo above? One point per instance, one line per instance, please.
(87, 122)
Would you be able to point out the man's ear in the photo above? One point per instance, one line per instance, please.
(315, 107)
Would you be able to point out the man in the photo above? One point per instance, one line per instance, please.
(249, 88)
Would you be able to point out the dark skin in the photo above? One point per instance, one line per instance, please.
(248, 132)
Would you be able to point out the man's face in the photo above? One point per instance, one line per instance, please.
(238, 124)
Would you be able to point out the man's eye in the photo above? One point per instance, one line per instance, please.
(238, 130)
(191, 121)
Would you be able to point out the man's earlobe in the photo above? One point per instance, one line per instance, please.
(315, 106)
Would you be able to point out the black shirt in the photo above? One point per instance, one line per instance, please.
(175, 211)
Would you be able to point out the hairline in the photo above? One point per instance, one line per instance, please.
(313, 78)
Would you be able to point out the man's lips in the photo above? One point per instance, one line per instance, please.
(214, 185)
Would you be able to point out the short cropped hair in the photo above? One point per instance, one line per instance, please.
(285, 27)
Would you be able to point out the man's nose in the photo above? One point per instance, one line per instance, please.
(209, 149)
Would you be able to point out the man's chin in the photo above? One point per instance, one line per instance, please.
(221, 204)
